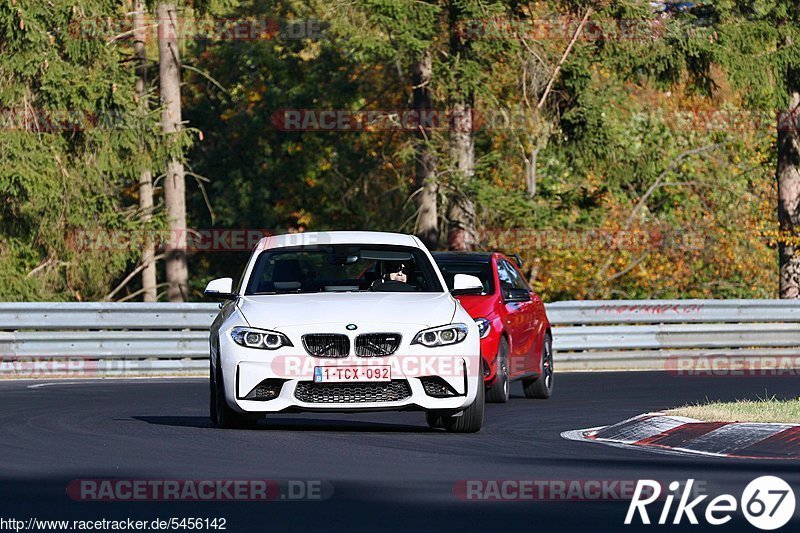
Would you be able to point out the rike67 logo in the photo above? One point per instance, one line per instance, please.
(767, 502)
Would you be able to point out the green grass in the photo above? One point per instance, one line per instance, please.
(768, 409)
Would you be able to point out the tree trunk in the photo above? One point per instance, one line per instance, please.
(530, 171)
(788, 176)
(146, 176)
(427, 222)
(461, 234)
(174, 183)
(537, 138)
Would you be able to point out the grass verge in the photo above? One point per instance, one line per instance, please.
(761, 410)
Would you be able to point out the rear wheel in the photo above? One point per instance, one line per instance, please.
(221, 413)
(499, 391)
(542, 387)
(471, 418)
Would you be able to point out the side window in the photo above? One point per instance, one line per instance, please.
(518, 282)
(506, 280)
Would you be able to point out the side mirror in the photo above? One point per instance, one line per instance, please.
(517, 295)
(467, 284)
(220, 288)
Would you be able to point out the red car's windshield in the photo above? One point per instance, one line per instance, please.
(480, 269)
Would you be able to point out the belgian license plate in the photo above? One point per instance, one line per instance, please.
(338, 374)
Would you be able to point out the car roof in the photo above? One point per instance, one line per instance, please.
(475, 257)
(312, 238)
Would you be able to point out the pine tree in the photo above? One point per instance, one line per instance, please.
(70, 145)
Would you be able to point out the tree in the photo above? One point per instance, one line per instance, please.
(404, 32)
(426, 194)
(69, 140)
(759, 47)
(146, 175)
(461, 230)
(176, 267)
(788, 177)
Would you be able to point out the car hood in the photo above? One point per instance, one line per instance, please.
(274, 311)
(478, 306)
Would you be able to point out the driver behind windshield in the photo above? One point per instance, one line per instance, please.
(397, 271)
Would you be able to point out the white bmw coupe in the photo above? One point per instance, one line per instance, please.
(340, 322)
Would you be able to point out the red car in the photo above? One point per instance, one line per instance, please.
(516, 340)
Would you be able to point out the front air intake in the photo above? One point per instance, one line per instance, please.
(269, 389)
(392, 391)
(436, 387)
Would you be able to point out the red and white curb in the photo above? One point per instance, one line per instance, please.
(663, 433)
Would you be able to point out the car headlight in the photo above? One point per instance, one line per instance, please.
(484, 326)
(441, 336)
(259, 338)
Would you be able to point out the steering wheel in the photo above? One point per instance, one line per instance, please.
(391, 285)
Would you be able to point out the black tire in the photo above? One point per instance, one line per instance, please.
(471, 418)
(434, 419)
(542, 387)
(499, 391)
(212, 396)
(221, 413)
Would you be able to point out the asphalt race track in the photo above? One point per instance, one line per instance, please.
(386, 471)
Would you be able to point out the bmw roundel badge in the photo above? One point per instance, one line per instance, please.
(351, 327)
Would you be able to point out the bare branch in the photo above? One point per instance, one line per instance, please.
(557, 70)
(675, 162)
(131, 275)
(133, 295)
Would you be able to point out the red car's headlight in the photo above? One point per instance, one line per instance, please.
(484, 327)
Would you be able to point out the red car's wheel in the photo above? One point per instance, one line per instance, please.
(499, 391)
(542, 387)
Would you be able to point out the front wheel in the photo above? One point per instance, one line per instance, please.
(542, 387)
(221, 413)
(471, 418)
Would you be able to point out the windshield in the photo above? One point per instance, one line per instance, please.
(481, 270)
(343, 268)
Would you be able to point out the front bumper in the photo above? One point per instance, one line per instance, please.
(290, 372)
(490, 345)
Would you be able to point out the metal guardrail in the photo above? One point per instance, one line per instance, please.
(659, 334)
(124, 338)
